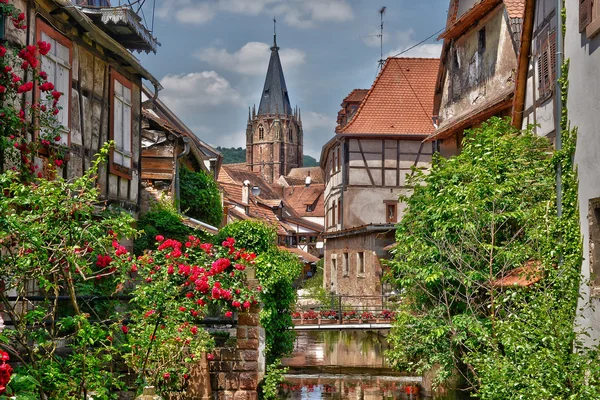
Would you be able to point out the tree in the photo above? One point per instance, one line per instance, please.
(472, 220)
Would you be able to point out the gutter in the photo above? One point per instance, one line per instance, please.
(360, 230)
(99, 36)
(559, 102)
(203, 224)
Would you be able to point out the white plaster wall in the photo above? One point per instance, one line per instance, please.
(584, 113)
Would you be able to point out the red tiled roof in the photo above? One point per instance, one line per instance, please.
(316, 174)
(238, 173)
(356, 96)
(515, 8)
(400, 100)
(524, 276)
(298, 197)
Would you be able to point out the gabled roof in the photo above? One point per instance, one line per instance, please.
(299, 197)
(400, 100)
(315, 173)
(238, 173)
(275, 98)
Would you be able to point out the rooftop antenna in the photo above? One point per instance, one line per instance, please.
(381, 12)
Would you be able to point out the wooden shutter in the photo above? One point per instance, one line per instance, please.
(552, 57)
(585, 14)
(543, 67)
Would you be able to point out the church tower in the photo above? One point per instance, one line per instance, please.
(274, 134)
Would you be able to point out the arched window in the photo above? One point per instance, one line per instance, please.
(290, 135)
(261, 132)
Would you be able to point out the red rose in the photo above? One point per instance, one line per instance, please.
(43, 75)
(194, 330)
(160, 238)
(182, 308)
(44, 47)
(210, 356)
(2, 89)
(228, 314)
(26, 87)
(56, 95)
(47, 87)
(246, 304)
(2, 51)
(58, 162)
(166, 376)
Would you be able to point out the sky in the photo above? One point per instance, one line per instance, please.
(214, 54)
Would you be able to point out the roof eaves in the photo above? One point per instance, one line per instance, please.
(479, 9)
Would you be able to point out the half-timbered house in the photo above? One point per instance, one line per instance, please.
(91, 63)
(366, 167)
(476, 77)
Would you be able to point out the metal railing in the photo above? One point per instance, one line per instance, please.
(344, 308)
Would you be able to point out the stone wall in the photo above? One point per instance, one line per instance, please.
(236, 370)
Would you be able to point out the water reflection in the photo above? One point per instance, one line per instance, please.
(345, 365)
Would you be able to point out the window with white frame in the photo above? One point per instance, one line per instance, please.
(57, 64)
(121, 123)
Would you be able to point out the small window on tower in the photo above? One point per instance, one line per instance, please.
(290, 135)
(261, 132)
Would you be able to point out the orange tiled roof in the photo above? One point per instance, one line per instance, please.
(316, 174)
(307, 257)
(298, 197)
(524, 276)
(515, 8)
(400, 100)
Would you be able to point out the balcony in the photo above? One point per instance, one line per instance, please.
(121, 21)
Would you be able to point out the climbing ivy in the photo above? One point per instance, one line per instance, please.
(200, 197)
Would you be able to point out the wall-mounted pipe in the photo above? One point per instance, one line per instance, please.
(186, 150)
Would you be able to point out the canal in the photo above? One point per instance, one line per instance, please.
(346, 365)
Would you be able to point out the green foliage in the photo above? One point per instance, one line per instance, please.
(475, 217)
(276, 271)
(162, 219)
(200, 196)
(309, 161)
(53, 236)
(269, 387)
(314, 286)
(233, 155)
(255, 236)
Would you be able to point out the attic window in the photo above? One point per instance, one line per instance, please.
(310, 208)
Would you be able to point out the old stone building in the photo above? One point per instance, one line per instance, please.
(366, 167)
(477, 68)
(274, 134)
(91, 63)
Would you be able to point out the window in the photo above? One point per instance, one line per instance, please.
(339, 216)
(346, 264)
(310, 208)
(261, 132)
(546, 67)
(57, 64)
(481, 40)
(589, 17)
(333, 214)
(360, 263)
(290, 135)
(335, 163)
(391, 212)
(121, 125)
(333, 273)
(303, 240)
(339, 162)
(594, 216)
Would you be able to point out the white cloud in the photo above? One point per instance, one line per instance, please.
(189, 93)
(312, 121)
(298, 13)
(406, 39)
(251, 59)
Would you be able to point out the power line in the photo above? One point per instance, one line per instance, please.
(420, 43)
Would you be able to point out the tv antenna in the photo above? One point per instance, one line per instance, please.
(381, 60)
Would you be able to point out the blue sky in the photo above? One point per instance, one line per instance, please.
(214, 55)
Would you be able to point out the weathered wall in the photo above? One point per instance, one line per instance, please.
(475, 77)
(90, 106)
(353, 283)
(583, 100)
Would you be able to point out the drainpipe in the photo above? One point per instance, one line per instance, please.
(559, 103)
(523, 65)
(186, 150)
(343, 172)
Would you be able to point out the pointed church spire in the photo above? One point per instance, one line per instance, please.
(275, 96)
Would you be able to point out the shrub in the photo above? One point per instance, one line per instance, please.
(200, 197)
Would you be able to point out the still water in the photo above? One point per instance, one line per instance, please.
(345, 365)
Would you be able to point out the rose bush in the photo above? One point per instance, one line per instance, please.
(178, 285)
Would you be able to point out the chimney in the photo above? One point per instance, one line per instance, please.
(308, 180)
(246, 192)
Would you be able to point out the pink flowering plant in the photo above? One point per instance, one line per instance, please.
(29, 105)
(179, 285)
